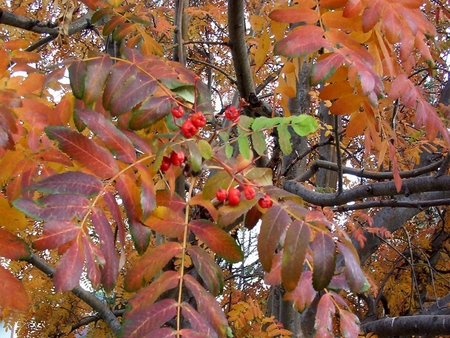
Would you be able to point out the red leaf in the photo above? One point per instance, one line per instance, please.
(295, 14)
(77, 76)
(166, 222)
(189, 333)
(148, 191)
(56, 233)
(208, 269)
(114, 139)
(198, 199)
(86, 151)
(353, 272)
(54, 207)
(304, 293)
(150, 264)
(143, 322)
(326, 67)
(371, 15)
(148, 295)
(198, 323)
(77, 183)
(14, 295)
(217, 240)
(207, 305)
(111, 268)
(274, 276)
(302, 40)
(295, 246)
(352, 8)
(113, 207)
(12, 247)
(273, 226)
(90, 253)
(348, 324)
(323, 249)
(170, 200)
(151, 111)
(120, 74)
(97, 72)
(324, 317)
(69, 269)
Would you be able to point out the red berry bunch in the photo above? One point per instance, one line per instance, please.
(221, 195)
(177, 111)
(189, 129)
(176, 158)
(231, 113)
(234, 196)
(265, 202)
(165, 164)
(198, 119)
(249, 192)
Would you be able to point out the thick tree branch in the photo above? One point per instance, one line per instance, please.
(418, 204)
(411, 325)
(103, 311)
(409, 186)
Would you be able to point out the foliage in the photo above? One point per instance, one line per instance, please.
(126, 182)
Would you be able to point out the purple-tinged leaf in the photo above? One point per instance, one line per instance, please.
(71, 182)
(14, 295)
(170, 200)
(12, 247)
(273, 227)
(97, 72)
(98, 160)
(198, 323)
(301, 41)
(326, 67)
(77, 77)
(323, 325)
(348, 324)
(150, 264)
(304, 293)
(92, 269)
(148, 295)
(189, 333)
(148, 191)
(114, 139)
(143, 322)
(111, 269)
(54, 207)
(295, 246)
(114, 209)
(217, 240)
(120, 74)
(56, 233)
(274, 276)
(324, 251)
(165, 332)
(137, 141)
(353, 272)
(135, 90)
(207, 306)
(208, 269)
(69, 269)
(151, 111)
(165, 221)
(140, 235)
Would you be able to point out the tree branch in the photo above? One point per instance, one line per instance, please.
(419, 204)
(411, 325)
(103, 311)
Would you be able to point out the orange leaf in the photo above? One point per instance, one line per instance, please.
(357, 124)
(336, 90)
(352, 8)
(295, 14)
(12, 247)
(302, 40)
(14, 294)
(346, 105)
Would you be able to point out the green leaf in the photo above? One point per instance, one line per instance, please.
(273, 226)
(84, 150)
(195, 158)
(77, 77)
(229, 150)
(97, 72)
(323, 249)
(71, 182)
(295, 246)
(186, 92)
(217, 240)
(12, 247)
(262, 122)
(150, 264)
(205, 149)
(208, 269)
(259, 142)
(262, 176)
(285, 139)
(353, 272)
(114, 139)
(244, 147)
(304, 124)
(56, 233)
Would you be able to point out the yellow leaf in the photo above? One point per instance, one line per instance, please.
(12, 218)
(262, 49)
(257, 22)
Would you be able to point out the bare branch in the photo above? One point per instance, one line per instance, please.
(419, 204)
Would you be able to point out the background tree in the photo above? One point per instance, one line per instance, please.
(156, 155)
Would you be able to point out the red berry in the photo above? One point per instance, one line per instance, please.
(176, 158)
(221, 195)
(265, 202)
(249, 192)
(177, 111)
(231, 113)
(165, 164)
(189, 129)
(234, 196)
(198, 119)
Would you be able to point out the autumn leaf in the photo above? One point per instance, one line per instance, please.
(323, 249)
(323, 325)
(208, 269)
(302, 40)
(56, 233)
(16, 297)
(69, 269)
(12, 247)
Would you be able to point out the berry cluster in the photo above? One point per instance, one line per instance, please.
(195, 121)
(231, 113)
(176, 158)
(234, 196)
